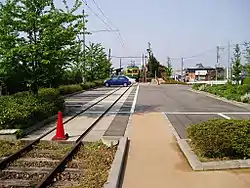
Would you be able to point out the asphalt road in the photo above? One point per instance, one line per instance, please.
(184, 107)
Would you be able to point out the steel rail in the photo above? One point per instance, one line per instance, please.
(61, 166)
(29, 146)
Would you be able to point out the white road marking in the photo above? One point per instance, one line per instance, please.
(207, 113)
(135, 99)
(131, 113)
(224, 116)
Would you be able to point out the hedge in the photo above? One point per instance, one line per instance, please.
(23, 109)
(219, 138)
(231, 92)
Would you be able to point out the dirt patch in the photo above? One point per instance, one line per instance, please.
(96, 160)
(7, 147)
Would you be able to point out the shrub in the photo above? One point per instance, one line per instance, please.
(196, 86)
(98, 82)
(23, 109)
(221, 138)
(68, 89)
(246, 81)
(22, 112)
(88, 85)
(49, 94)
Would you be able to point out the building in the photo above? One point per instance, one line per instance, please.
(201, 73)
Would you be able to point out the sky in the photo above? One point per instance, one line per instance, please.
(175, 28)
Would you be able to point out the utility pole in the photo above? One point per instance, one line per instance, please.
(120, 63)
(229, 62)
(217, 61)
(109, 54)
(182, 63)
(149, 55)
(84, 55)
(144, 68)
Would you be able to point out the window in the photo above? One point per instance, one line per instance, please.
(122, 78)
(129, 71)
(115, 78)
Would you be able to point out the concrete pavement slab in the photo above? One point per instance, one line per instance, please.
(154, 160)
(172, 98)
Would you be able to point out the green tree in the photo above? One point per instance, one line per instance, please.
(247, 56)
(43, 39)
(237, 67)
(153, 66)
(168, 69)
(97, 64)
(11, 70)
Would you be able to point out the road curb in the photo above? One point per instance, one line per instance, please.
(236, 103)
(195, 162)
(117, 165)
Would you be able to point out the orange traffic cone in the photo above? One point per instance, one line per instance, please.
(59, 129)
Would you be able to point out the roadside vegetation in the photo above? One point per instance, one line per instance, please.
(42, 59)
(95, 159)
(220, 139)
(237, 89)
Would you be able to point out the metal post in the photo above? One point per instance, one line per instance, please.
(229, 62)
(182, 63)
(217, 61)
(109, 54)
(84, 55)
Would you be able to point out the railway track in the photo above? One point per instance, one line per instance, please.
(43, 164)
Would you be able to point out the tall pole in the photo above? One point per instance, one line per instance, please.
(109, 58)
(144, 68)
(120, 63)
(229, 62)
(182, 63)
(149, 55)
(217, 61)
(84, 55)
(109, 54)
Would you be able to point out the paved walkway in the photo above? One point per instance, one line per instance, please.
(155, 160)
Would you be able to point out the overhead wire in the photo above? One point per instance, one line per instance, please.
(109, 28)
(119, 34)
(99, 8)
(103, 21)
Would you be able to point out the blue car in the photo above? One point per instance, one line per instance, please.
(117, 80)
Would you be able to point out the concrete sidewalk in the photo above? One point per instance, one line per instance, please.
(155, 161)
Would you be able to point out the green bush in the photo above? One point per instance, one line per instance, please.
(228, 91)
(23, 109)
(98, 82)
(22, 112)
(88, 85)
(68, 89)
(196, 86)
(221, 138)
(246, 81)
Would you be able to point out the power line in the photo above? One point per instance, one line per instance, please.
(99, 8)
(103, 30)
(97, 15)
(127, 57)
(119, 34)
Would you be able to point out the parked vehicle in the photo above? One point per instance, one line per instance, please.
(132, 80)
(117, 80)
